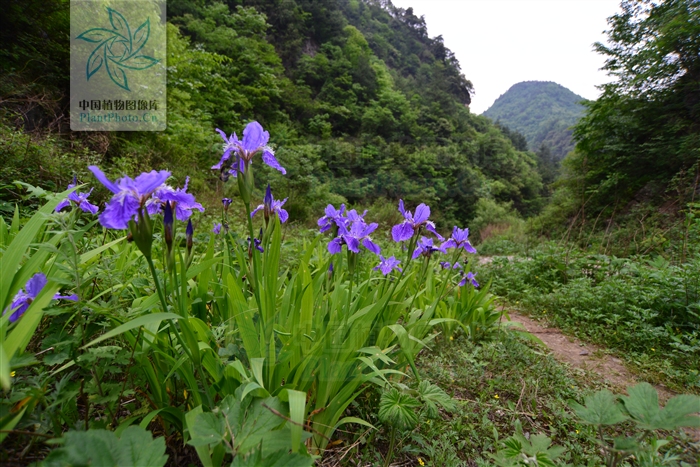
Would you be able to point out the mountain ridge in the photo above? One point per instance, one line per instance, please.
(543, 111)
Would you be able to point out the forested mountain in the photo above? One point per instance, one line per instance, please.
(542, 111)
(361, 104)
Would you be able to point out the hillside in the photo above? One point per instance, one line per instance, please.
(361, 104)
(542, 111)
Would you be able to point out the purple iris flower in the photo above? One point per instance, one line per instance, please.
(182, 202)
(271, 205)
(254, 140)
(459, 239)
(226, 202)
(217, 228)
(79, 199)
(406, 229)
(333, 216)
(358, 233)
(386, 265)
(21, 301)
(469, 277)
(130, 195)
(426, 248)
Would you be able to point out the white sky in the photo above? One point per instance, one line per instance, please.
(502, 42)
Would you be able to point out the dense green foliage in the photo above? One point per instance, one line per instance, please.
(542, 111)
(362, 103)
(641, 138)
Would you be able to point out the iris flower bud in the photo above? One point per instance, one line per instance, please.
(168, 225)
(189, 232)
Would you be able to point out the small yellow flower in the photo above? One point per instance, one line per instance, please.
(420, 461)
(12, 374)
(495, 396)
(452, 338)
(653, 349)
(577, 431)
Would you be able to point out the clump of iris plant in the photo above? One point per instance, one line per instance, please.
(24, 298)
(239, 153)
(272, 206)
(413, 223)
(79, 199)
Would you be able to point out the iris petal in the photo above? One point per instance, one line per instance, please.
(147, 182)
(254, 137)
(111, 186)
(269, 158)
(119, 210)
(335, 246)
(422, 214)
(35, 284)
(402, 232)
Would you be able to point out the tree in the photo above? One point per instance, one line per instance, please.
(645, 127)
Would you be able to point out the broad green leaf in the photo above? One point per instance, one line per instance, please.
(135, 447)
(601, 408)
(642, 405)
(398, 409)
(208, 429)
(433, 396)
(202, 451)
(260, 420)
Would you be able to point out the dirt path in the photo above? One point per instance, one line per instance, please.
(582, 355)
(590, 358)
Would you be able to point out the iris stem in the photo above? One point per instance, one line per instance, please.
(171, 322)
